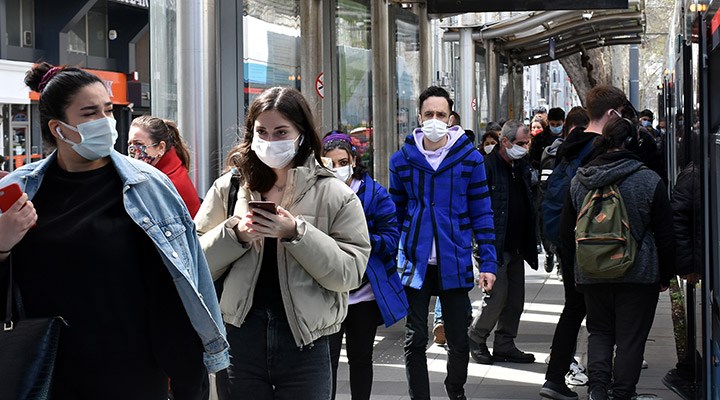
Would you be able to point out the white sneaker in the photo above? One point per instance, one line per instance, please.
(576, 376)
(547, 359)
(577, 365)
(644, 364)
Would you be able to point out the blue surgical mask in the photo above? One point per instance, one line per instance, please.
(556, 130)
(97, 138)
(646, 123)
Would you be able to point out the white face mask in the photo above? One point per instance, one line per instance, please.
(277, 154)
(343, 173)
(489, 148)
(97, 138)
(516, 152)
(434, 129)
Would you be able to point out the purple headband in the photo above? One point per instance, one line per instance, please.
(335, 137)
(48, 77)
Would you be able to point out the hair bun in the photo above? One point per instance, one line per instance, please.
(34, 77)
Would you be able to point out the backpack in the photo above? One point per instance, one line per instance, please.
(605, 246)
(547, 164)
(556, 187)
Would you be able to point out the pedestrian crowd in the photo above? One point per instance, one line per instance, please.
(296, 247)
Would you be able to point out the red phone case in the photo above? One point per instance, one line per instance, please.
(9, 195)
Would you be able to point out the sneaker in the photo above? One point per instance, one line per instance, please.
(644, 364)
(597, 393)
(515, 356)
(480, 353)
(681, 386)
(547, 359)
(439, 334)
(556, 391)
(576, 376)
(549, 262)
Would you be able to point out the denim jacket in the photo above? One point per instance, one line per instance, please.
(167, 222)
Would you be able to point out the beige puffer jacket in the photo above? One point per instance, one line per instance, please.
(315, 273)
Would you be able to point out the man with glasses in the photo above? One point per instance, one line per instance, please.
(508, 176)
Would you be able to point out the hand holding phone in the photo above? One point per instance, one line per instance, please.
(18, 216)
(9, 195)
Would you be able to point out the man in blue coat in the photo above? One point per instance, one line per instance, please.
(438, 184)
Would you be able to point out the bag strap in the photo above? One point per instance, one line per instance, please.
(232, 194)
(8, 325)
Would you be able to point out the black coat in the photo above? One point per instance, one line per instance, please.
(498, 185)
(687, 221)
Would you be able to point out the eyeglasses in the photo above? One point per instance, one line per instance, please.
(135, 148)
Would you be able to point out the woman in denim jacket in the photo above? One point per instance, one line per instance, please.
(107, 243)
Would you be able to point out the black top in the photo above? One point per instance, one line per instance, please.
(267, 290)
(518, 209)
(87, 261)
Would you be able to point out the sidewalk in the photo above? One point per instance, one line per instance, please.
(543, 304)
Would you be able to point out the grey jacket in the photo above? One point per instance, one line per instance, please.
(639, 189)
(315, 272)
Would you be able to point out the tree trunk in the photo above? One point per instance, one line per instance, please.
(587, 74)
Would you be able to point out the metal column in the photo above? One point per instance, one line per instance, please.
(426, 69)
(197, 103)
(311, 60)
(465, 94)
(493, 81)
(383, 101)
(634, 75)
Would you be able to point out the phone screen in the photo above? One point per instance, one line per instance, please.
(268, 206)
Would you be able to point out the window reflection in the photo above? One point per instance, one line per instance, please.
(407, 47)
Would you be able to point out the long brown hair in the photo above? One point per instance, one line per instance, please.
(167, 131)
(293, 107)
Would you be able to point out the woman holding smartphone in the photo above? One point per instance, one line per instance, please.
(381, 297)
(289, 271)
(107, 244)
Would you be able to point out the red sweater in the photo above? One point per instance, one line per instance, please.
(171, 165)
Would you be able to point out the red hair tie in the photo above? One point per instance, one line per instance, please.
(48, 77)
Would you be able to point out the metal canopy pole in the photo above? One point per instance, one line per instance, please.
(465, 94)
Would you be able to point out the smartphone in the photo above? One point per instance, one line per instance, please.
(268, 206)
(9, 195)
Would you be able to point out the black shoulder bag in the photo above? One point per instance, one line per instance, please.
(27, 350)
(231, 201)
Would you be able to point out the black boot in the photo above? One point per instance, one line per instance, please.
(480, 353)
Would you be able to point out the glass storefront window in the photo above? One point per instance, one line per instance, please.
(354, 52)
(20, 22)
(97, 28)
(163, 29)
(407, 48)
(77, 37)
(271, 46)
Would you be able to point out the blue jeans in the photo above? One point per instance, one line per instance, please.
(265, 362)
(455, 302)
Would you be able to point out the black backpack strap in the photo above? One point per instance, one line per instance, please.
(232, 194)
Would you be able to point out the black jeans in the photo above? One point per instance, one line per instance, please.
(454, 304)
(265, 362)
(359, 329)
(566, 331)
(618, 317)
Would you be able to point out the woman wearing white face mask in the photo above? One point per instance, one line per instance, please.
(380, 298)
(113, 251)
(288, 272)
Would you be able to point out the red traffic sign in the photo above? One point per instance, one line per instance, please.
(473, 104)
(320, 86)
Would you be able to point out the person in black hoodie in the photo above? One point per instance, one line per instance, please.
(620, 311)
(689, 263)
(602, 103)
(551, 132)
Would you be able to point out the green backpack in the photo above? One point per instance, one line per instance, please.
(605, 246)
